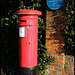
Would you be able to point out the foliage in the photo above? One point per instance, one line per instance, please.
(69, 28)
(43, 58)
(9, 44)
(9, 37)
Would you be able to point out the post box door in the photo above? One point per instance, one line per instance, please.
(28, 47)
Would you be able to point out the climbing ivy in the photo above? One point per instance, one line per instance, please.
(69, 28)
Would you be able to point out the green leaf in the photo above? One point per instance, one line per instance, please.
(72, 12)
(6, 18)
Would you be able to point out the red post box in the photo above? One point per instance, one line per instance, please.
(28, 40)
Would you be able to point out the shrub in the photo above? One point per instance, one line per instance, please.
(69, 28)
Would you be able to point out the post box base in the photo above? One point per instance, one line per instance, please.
(28, 71)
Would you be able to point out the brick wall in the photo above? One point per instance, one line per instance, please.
(69, 65)
(55, 41)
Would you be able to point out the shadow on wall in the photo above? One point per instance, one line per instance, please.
(55, 30)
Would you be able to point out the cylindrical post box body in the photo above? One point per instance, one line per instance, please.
(28, 40)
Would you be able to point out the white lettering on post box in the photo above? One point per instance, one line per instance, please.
(21, 31)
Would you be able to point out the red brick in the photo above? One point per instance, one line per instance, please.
(59, 46)
(48, 51)
(56, 61)
(50, 45)
(55, 34)
(67, 63)
(47, 33)
(47, 74)
(50, 14)
(47, 11)
(57, 27)
(61, 13)
(61, 58)
(62, 19)
(47, 44)
(54, 64)
(47, 18)
(47, 41)
(51, 30)
(63, 74)
(59, 69)
(59, 38)
(47, 48)
(47, 26)
(51, 67)
(52, 27)
(47, 30)
(56, 57)
(53, 72)
(61, 66)
(68, 59)
(59, 62)
(62, 42)
(57, 54)
(51, 53)
(69, 68)
(49, 37)
(72, 63)
(57, 31)
(61, 50)
(54, 41)
(51, 19)
(54, 49)
(70, 72)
